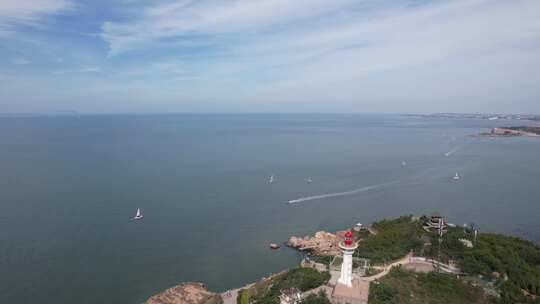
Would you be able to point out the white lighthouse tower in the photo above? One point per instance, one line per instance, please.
(347, 246)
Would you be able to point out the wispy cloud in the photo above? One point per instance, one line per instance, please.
(84, 70)
(28, 12)
(20, 61)
(307, 50)
(196, 19)
(92, 69)
(337, 54)
(282, 32)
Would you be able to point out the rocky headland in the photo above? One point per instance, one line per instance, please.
(398, 263)
(322, 243)
(186, 293)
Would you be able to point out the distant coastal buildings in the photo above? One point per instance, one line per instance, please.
(531, 131)
(487, 116)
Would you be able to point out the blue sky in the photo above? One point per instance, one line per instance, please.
(270, 56)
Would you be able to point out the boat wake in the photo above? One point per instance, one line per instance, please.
(336, 194)
(451, 151)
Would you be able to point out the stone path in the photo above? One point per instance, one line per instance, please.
(229, 297)
(403, 261)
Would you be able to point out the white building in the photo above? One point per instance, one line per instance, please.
(347, 248)
(347, 289)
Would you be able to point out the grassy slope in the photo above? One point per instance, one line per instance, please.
(395, 238)
(512, 262)
(268, 291)
(405, 287)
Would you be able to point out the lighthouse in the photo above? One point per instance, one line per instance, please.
(347, 247)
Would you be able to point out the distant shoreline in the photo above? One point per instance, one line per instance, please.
(485, 116)
(521, 131)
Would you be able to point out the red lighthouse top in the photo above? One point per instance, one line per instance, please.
(348, 238)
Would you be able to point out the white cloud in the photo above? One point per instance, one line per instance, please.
(342, 54)
(282, 32)
(20, 61)
(208, 17)
(343, 50)
(28, 12)
(91, 69)
(84, 70)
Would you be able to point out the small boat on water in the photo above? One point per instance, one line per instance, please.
(403, 163)
(309, 180)
(456, 177)
(274, 246)
(138, 215)
(271, 179)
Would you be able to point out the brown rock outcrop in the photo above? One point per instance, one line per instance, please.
(186, 293)
(322, 243)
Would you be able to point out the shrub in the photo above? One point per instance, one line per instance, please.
(395, 239)
(301, 278)
(319, 298)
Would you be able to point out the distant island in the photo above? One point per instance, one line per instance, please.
(531, 131)
(404, 260)
(488, 116)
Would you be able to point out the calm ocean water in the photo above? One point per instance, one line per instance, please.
(69, 186)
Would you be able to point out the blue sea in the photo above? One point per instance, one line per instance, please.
(69, 186)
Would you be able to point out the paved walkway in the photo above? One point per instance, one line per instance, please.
(328, 289)
(386, 269)
(372, 231)
(229, 297)
(451, 269)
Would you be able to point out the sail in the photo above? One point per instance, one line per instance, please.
(138, 213)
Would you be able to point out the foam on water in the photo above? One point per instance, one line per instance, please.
(336, 194)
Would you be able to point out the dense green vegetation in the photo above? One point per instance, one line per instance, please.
(244, 297)
(326, 260)
(513, 263)
(394, 239)
(268, 292)
(405, 287)
(509, 265)
(319, 298)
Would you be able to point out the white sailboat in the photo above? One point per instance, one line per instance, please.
(456, 177)
(271, 180)
(138, 215)
(309, 180)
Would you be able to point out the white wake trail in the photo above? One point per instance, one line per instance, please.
(329, 195)
(451, 151)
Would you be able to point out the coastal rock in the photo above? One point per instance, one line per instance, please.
(186, 293)
(322, 243)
